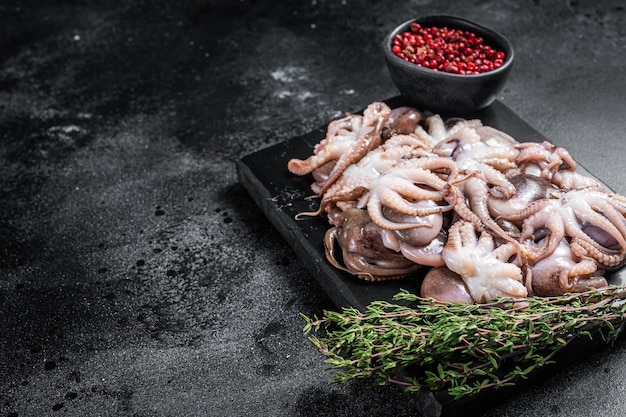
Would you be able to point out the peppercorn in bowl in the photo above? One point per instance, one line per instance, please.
(448, 64)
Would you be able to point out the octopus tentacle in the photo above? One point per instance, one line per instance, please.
(567, 280)
(549, 219)
(477, 190)
(461, 234)
(375, 210)
(571, 180)
(502, 186)
(617, 201)
(398, 202)
(340, 136)
(375, 116)
(505, 252)
(560, 158)
(485, 242)
(620, 200)
(582, 208)
(491, 154)
(329, 248)
(412, 183)
(400, 140)
(370, 271)
(436, 128)
(429, 255)
(474, 124)
(548, 158)
(527, 273)
(463, 210)
(495, 137)
(569, 277)
(332, 199)
(483, 270)
(532, 208)
(501, 164)
(438, 165)
(614, 217)
(590, 249)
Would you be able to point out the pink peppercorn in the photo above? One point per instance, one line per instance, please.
(445, 49)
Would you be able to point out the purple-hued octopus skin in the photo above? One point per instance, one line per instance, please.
(442, 284)
(402, 121)
(528, 189)
(423, 242)
(363, 251)
(562, 272)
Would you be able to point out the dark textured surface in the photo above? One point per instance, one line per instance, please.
(138, 278)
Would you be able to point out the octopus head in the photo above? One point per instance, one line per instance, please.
(363, 252)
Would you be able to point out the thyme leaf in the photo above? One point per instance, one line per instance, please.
(461, 348)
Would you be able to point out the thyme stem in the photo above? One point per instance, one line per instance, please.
(462, 349)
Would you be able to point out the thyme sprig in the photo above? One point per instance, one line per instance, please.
(463, 349)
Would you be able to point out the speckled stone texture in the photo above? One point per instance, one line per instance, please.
(138, 278)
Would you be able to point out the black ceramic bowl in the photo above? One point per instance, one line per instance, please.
(444, 92)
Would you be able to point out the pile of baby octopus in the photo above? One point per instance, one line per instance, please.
(488, 215)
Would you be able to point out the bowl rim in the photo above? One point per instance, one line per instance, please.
(451, 21)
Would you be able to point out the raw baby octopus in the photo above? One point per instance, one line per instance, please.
(489, 216)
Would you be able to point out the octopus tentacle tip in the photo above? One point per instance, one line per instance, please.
(460, 179)
(304, 214)
(369, 277)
